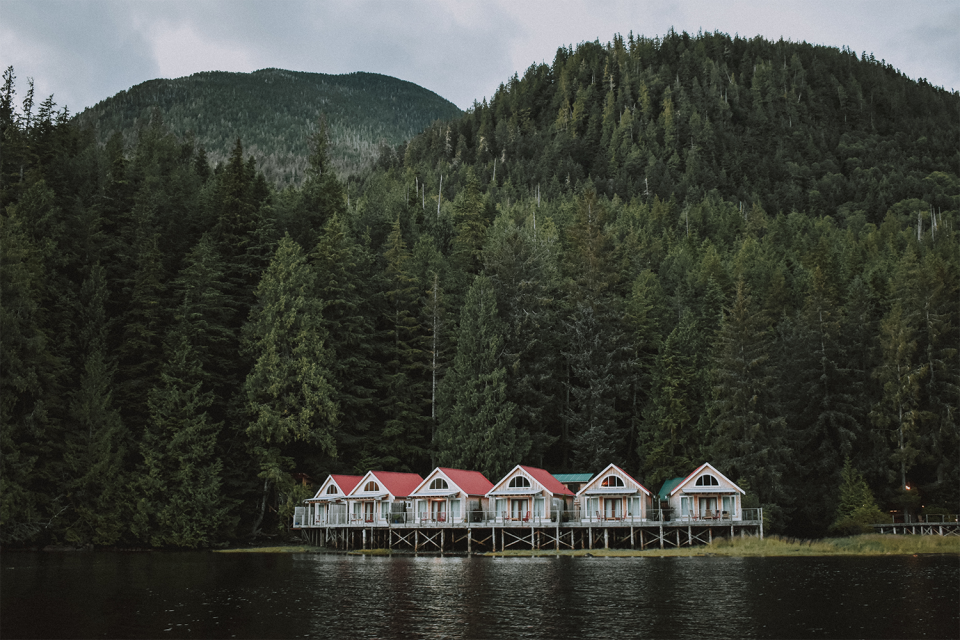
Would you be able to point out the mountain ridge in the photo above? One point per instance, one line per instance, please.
(274, 112)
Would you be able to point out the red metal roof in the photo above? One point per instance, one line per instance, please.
(346, 483)
(547, 481)
(473, 483)
(399, 484)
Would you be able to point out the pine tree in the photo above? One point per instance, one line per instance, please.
(401, 445)
(668, 438)
(348, 315)
(521, 260)
(748, 434)
(857, 509)
(96, 447)
(181, 500)
(477, 424)
(822, 412)
(288, 389)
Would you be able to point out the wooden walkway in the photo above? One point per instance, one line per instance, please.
(929, 526)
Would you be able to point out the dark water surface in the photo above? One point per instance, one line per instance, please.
(212, 595)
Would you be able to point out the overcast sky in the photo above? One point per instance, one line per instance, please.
(83, 51)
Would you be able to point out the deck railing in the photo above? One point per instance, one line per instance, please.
(506, 518)
(924, 518)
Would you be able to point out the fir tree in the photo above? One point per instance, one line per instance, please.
(477, 424)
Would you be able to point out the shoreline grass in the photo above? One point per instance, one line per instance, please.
(771, 546)
(775, 546)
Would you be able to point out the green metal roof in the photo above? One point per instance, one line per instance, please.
(668, 487)
(573, 477)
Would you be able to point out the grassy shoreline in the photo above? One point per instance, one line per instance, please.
(864, 545)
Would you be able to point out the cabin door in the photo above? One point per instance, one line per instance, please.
(368, 512)
(438, 510)
(518, 509)
(612, 508)
(708, 507)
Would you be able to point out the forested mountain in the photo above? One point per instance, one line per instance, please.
(275, 113)
(653, 252)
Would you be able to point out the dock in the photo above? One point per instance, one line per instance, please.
(481, 532)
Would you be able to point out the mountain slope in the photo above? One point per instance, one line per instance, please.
(274, 112)
(792, 126)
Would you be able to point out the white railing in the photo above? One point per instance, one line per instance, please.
(506, 518)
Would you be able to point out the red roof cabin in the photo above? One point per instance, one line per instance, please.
(528, 495)
(451, 495)
(379, 494)
(328, 506)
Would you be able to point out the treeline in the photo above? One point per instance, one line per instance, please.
(178, 340)
(274, 112)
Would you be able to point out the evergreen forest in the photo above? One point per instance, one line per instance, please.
(275, 112)
(655, 252)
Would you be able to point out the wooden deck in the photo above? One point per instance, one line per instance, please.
(486, 535)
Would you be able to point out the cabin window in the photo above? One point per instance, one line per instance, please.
(635, 507)
(612, 481)
(384, 509)
(538, 507)
(332, 488)
(707, 480)
(593, 508)
(730, 505)
(371, 486)
(686, 505)
(501, 508)
(439, 483)
(455, 510)
(518, 482)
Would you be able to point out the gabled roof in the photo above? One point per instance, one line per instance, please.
(544, 478)
(344, 483)
(612, 469)
(397, 484)
(472, 483)
(706, 466)
(573, 477)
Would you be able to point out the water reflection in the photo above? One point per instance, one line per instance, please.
(194, 595)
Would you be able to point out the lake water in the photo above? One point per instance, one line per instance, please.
(212, 595)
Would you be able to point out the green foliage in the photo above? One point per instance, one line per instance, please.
(288, 389)
(857, 509)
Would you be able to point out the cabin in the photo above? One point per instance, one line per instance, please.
(528, 495)
(381, 497)
(573, 481)
(451, 495)
(613, 495)
(328, 506)
(705, 494)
